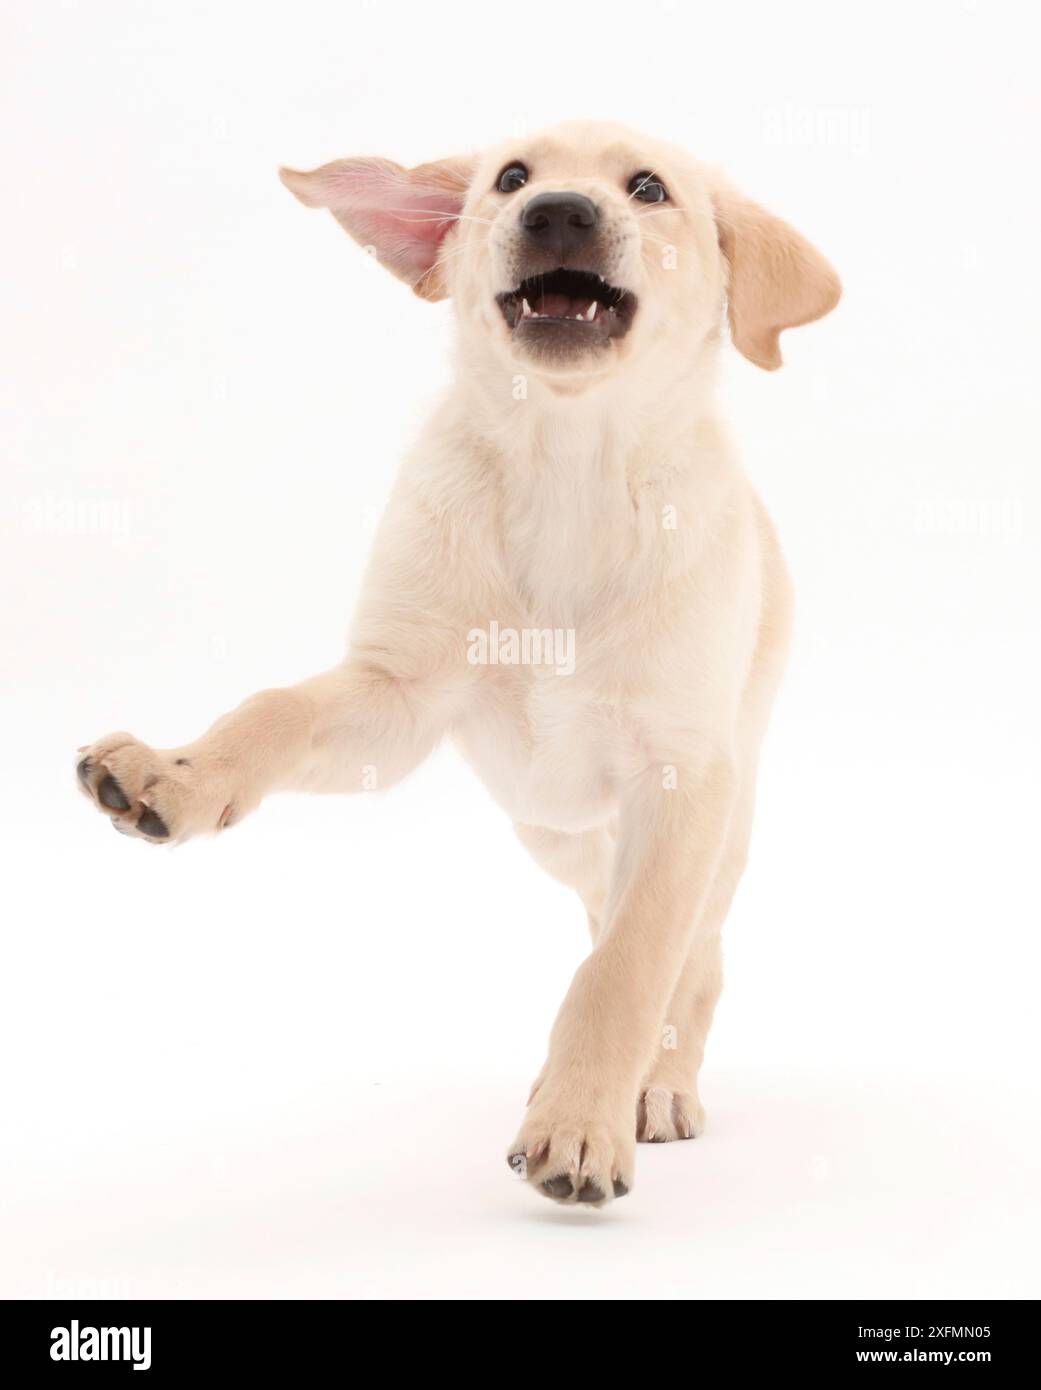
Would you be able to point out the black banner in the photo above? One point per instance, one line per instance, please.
(170, 1341)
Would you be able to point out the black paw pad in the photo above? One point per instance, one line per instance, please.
(589, 1192)
(153, 825)
(558, 1187)
(620, 1188)
(110, 794)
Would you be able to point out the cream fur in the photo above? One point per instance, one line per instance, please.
(605, 500)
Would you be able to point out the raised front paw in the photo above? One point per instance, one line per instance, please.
(573, 1156)
(154, 796)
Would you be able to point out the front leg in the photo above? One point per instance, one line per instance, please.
(577, 1143)
(353, 728)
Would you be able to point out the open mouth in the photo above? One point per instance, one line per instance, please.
(568, 309)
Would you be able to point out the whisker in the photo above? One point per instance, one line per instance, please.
(458, 250)
(437, 216)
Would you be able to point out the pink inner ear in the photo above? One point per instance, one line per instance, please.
(403, 215)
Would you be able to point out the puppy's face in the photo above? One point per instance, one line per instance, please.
(580, 247)
(577, 252)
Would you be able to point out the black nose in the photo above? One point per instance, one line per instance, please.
(560, 222)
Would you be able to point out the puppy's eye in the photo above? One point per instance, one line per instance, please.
(514, 176)
(646, 187)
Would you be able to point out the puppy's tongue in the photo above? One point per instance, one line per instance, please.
(556, 305)
(561, 306)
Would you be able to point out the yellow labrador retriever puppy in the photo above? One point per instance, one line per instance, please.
(573, 579)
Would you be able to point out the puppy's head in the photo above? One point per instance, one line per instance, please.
(578, 251)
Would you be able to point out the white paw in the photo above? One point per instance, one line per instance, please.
(154, 796)
(663, 1115)
(572, 1156)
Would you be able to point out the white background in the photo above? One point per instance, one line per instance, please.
(289, 1062)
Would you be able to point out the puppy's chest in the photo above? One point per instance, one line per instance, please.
(570, 542)
(552, 735)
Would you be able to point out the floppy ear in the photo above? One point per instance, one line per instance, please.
(402, 214)
(777, 280)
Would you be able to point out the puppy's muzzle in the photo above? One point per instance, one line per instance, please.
(564, 307)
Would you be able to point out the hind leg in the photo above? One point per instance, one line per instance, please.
(669, 1106)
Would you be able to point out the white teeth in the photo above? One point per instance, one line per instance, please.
(527, 312)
